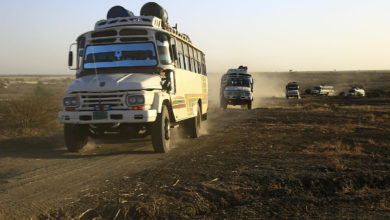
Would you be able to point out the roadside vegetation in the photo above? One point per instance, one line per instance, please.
(32, 114)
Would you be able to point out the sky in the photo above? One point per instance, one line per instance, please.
(265, 35)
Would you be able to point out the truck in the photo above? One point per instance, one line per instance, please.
(292, 90)
(323, 90)
(236, 88)
(135, 76)
(356, 91)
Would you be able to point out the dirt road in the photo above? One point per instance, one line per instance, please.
(324, 157)
(38, 174)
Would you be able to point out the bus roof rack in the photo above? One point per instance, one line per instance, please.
(239, 70)
(129, 21)
(150, 21)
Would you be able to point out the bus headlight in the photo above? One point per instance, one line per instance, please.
(135, 100)
(71, 101)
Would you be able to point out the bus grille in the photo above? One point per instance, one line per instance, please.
(115, 100)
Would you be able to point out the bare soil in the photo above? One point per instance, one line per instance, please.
(317, 157)
(324, 157)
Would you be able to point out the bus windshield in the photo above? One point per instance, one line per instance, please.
(120, 55)
(238, 82)
(292, 87)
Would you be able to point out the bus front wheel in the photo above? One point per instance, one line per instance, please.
(250, 105)
(76, 137)
(223, 104)
(161, 134)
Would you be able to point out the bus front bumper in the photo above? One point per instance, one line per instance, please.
(117, 116)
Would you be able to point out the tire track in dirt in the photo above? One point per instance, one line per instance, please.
(43, 176)
(46, 183)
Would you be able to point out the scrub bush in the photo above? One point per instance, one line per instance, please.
(34, 114)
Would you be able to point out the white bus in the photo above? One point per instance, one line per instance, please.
(292, 90)
(236, 88)
(136, 76)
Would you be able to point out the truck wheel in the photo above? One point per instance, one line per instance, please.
(161, 134)
(192, 125)
(250, 105)
(76, 137)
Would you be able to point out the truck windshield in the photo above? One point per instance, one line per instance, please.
(238, 82)
(120, 55)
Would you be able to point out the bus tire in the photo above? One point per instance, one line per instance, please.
(192, 125)
(250, 105)
(76, 137)
(161, 135)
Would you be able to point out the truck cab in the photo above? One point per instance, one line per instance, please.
(356, 91)
(236, 88)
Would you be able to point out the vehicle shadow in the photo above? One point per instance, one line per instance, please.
(53, 147)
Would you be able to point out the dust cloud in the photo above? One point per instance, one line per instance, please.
(91, 145)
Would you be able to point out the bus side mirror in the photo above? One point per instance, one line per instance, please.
(71, 64)
(169, 82)
(70, 59)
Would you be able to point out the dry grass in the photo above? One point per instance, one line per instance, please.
(347, 188)
(334, 148)
(346, 128)
(35, 114)
(338, 147)
(315, 107)
(370, 117)
(384, 204)
(337, 165)
(371, 141)
(320, 107)
(385, 116)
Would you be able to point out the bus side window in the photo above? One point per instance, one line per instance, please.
(173, 50)
(186, 57)
(199, 62)
(192, 59)
(180, 56)
(204, 72)
(196, 60)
